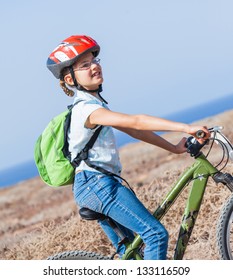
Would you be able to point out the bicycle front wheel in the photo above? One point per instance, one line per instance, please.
(78, 255)
(225, 231)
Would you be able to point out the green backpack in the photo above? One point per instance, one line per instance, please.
(51, 154)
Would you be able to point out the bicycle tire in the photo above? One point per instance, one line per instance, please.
(225, 231)
(78, 255)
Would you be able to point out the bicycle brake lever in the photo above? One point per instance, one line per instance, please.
(215, 128)
(228, 146)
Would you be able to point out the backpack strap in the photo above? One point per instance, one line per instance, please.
(83, 155)
(70, 107)
(65, 149)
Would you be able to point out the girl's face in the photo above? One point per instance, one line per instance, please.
(88, 72)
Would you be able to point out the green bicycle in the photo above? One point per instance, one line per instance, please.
(198, 174)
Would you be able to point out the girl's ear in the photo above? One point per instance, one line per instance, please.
(68, 79)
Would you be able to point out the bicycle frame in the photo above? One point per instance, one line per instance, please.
(199, 172)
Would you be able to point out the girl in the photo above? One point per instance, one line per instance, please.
(75, 63)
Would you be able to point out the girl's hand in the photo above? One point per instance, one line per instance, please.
(193, 130)
(180, 147)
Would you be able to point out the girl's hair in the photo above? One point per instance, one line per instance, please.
(64, 87)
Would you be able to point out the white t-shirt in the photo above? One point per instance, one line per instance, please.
(104, 152)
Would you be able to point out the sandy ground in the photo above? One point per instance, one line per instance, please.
(37, 221)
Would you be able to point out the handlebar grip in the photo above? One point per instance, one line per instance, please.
(200, 134)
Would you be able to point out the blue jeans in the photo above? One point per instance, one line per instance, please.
(105, 194)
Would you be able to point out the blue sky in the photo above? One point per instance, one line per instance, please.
(158, 57)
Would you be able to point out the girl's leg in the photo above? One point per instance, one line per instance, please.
(105, 194)
(124, 207)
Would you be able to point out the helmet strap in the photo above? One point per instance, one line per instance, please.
(79, 87)
(100, 86)
(73, 76)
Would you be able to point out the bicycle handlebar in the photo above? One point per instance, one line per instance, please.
(202, 134)
(194, 147)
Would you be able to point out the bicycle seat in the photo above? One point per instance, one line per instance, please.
(89, 214)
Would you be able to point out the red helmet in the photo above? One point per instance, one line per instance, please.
(69, 51)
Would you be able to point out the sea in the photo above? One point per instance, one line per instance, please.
(27, 170)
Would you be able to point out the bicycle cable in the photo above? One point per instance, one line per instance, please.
(211, 146)
(224, 151)
(224, 148)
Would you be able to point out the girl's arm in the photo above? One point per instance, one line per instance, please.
(154, 139)
(106, 117)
